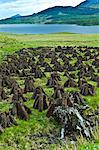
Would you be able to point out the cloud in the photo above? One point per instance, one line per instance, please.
(25, 7)
(5, 1)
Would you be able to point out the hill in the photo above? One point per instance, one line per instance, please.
(90, 4)
(87, 13)
(16, 16)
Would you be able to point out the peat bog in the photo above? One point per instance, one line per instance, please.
(49, 95)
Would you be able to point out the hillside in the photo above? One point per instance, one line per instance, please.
(87, 13)
(90, 4)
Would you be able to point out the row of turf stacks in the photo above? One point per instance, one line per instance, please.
(68, 71)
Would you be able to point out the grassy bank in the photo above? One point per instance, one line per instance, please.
(18, 138)
(10, 42)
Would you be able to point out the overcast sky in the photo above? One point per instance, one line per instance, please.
(26, 7)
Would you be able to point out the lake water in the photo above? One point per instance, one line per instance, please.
(44, 29)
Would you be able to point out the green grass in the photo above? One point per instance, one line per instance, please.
(17, 138)
(11, 42)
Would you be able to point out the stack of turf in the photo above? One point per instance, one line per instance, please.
(79, 68)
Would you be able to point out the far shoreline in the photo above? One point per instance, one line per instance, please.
(73, 24)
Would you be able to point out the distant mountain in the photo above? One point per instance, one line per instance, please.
(87, 13)
(16, 16)
(90, 4)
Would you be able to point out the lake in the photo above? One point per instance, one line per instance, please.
(47, 28)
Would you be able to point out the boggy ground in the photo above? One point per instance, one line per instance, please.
(40, 132)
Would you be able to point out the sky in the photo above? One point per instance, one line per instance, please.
(10, 8)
